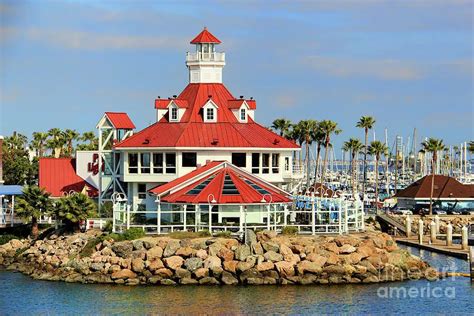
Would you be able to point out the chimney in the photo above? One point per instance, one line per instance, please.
(1, 160)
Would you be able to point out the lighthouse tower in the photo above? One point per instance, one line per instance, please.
(205, 65)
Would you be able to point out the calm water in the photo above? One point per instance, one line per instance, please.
(19, 295)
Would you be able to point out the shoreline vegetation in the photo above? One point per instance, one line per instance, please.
(266, 258)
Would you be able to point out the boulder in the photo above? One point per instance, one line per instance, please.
(316, 258)
(123, 249)
(242, 252)
(164, 273)
(270, 246)
(228, 279)
(257, 249)
(264, 266)
(266, 235)
(182, 273)
(155, 265)
(273, 256)
(171, 248)
(137, 244)
(225, 254)
(251, 237)
(124, 274)
(231, 266)
(244, 266)
(167, 282)
(285, 269)
(192, 264)
(332, 247)
(308, 266)
(201, 273)
(346, 248)
(187, 281)
(185, 252)
(211, 262)
(174, 262)
(138, 265)
(201, 253)
(209, 281)
(286, 252)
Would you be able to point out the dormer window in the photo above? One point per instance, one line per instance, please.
(174, 114)
(243, 114)
(210, 114)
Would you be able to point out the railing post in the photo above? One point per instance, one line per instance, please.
(420, 231)
(313, 215)
(437, 223)
(128, 216)
(408, 226)
(433, 232)
(184, 216)
(268, 216)
(449, 235)
(464, 238)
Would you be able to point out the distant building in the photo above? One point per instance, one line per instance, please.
(448, 193)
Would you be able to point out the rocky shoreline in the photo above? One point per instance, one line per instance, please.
(266, 259)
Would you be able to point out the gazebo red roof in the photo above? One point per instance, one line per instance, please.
(444, 187)
(205, 37)
(222, 181)
(120, 120)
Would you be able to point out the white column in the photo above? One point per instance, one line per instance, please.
(184, 216)
(210, 218)
(285, 214)
(420, 231)
(197, 222)
(436, 218)
(268, 216)
(241, 222)
(128, 216)
(408, 226)
(346, 219)
(13, 210)
(339, 219)
(464, 238)
(313, 215)
(275, 206)
(449, 235)
(432, 232)
(158, 218)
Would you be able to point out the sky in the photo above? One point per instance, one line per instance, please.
(408, 63)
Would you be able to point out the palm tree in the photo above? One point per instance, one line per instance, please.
(296, 135)
(39, 142)
(354, 146)
(74, 209)
(282, 125)
(327, 128)
(433, 146)
(56, 142)
(377, 149)
(319, 137)
(471, 147)
(367, 123)
(93, 141)
(70, 136)
(307, 128)
(31, 205)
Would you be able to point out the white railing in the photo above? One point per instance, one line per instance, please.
(205, 56)
(97, 223)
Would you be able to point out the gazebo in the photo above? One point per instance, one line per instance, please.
(7, 203)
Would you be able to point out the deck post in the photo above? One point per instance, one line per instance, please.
(313, 215)
(408, 226)
(184, 216)
(12, 211)
(158, 218)
(285, 214)
(433, 232)
(268, 216)
(241, 221)
(128, 216)
(464, 239)
(436, 218)
(197, 220)
(449, 235)
(420, 231)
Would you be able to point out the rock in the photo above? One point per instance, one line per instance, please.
(332, 247)
(228, 279)
(285, 269)
(264, 266)
(332, 258)
(171, 248)
(164, 273)
(273, 256)
(316, 258)
(371, 279)
(231, 266)
(365, 251)
(192, 264)
(155, 265)
(167, 282)
(251, 273)
(346, 248)
(138, 265)
(124, 274)
(182, 273)
(185, 252)
(225, 254)
(187, 281)
(123, 249)
(134, 281)
(201, 273)
(251, 237)
(257, 249)
(242, 252)
(334, 269)
(96, 266)
(154, 280)
(308, 266)
(173, 262)
(217, 271)
(286, 252)
(114, 268)
(148, 244)
(137, 244)
(209, 281)
(266, 235)
(244, 266)
(270, 246)
(201, 253)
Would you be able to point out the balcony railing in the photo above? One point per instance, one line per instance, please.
(205, 56)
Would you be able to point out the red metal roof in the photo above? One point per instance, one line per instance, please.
(236, 104)
(214, 174)
(191, 131)
(58, 176)
(444, 187)
(164, 103)
(120, 120)
(205, 37)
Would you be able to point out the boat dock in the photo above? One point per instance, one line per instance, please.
(438, 246)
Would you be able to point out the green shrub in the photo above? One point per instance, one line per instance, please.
(108, 226)
(204, 233)
(6, 238)
(89, 248)
(224, 234)
(289, 230)
(133, 233)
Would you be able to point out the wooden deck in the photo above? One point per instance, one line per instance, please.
(439, 246)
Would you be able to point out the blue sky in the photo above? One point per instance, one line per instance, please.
(408, 63)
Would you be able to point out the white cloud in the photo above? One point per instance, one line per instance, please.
(386, 69)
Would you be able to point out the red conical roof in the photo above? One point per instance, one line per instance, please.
(205, 37)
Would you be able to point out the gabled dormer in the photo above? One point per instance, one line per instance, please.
(242, 109)
(174, 107)
(209, 112)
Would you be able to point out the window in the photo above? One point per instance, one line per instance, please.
(255, 163)
(157, 163)
(258, 188)
(243, 115)
(145, 162)
(265, 163)
(229, 186)
(170, 163)
(174, 114)
(142, 191)
(209, 114)
(189, 160)
(239, 159)
(275, 163)
(133, 163)
(197, 189)
(287, 163)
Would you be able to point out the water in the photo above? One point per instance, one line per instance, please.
(20, 295)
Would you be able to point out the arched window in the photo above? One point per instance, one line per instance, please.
(243, 115)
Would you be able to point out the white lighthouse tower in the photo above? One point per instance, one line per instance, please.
(205, 65)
